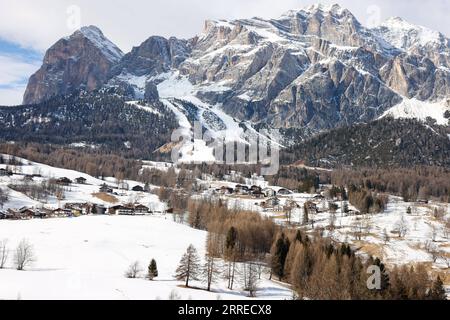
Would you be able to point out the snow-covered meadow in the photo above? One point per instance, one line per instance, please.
(87, 257)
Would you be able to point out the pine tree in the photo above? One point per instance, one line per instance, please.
(189, 266)
(298, 236)
(231, 238)
(437, 290)
(279, 254)
(152, 270)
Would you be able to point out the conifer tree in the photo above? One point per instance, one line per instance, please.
(437, 290)
(152, 270)
(279, 254)
(298, 236)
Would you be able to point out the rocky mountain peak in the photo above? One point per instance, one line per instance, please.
(80, 61)
(405, 35)
(96, 36)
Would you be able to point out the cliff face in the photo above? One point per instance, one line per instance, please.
(81, 61)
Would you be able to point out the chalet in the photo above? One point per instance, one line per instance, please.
(26, 213)
(121, 210)
(28, 178)
(255, 188)
(241, 189)
(5, 172)
(141, 209)
(284, 192)
(42, 213)
(272, 202)
(258, 194)
(106, 189)
(225, 190)
(76, 209)
(138, 189)
(98, 209)
(80, 180)
(64, 181)
(62, 212)
(125, 211)
(269, 192)
(10, 214)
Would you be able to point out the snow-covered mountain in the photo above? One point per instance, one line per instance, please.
(311, 69)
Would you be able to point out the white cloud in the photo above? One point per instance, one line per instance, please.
(11, 96)
(13, 70)
(14, 74)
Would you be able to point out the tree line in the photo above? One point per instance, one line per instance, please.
(410, 183)
(317, 267)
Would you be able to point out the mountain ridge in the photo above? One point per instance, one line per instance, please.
(312, 69)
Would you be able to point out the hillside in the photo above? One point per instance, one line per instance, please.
(382, 143)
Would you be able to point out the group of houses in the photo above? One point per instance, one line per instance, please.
(5, 172)
(254, 191)
(73, 210)
(104, 188)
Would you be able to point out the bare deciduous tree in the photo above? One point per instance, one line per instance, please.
(250, 278)
(174, 295)
(24, 254)
(433, 233)
(386, 237)
(3, 253)
(212, 270)
(3, 197)
(432, 249)
(189, 266)
(133, 270)
(401, 227)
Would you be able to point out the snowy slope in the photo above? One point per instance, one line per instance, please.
(405, 35)
(109, 49)
(75, 192)
(86, 258)
(420, 110)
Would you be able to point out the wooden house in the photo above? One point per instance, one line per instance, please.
(284, 192)
(138, 188)
(241, 189)
(64, 181)
(5, 172)
(141, 209)
(104, 188)
(80, 180)
(269, 192)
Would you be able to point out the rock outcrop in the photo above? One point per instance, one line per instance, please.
(81, 61)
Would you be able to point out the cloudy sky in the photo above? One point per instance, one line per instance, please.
(29, 27)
